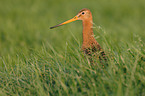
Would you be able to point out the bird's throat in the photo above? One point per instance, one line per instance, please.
(88, 35)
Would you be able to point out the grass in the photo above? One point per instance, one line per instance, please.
(35, 60)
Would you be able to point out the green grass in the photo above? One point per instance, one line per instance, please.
(35, 60)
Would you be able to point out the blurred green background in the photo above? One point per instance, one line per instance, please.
(24, 25)
(30, 50)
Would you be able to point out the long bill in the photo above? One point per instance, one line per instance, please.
(71, 20)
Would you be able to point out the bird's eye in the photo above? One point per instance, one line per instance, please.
(83, 13)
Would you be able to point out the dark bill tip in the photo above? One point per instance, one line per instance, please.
(52, 27)
(55, 26)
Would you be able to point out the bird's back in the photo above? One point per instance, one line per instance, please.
(94, 51)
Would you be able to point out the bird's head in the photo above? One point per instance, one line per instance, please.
(84, 14)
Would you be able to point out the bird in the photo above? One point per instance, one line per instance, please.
(90, 46)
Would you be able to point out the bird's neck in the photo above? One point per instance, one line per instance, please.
(88, 35)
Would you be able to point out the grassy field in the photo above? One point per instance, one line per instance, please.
(35, 60)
